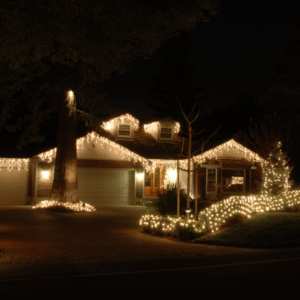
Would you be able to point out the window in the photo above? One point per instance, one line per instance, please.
(166, 133)
(211, 180)
(233, 181)
(156, 181)
(124, 130)
(147, 180)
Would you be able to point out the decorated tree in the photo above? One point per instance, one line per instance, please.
(55, 56)
(275, 172)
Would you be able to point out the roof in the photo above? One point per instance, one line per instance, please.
(145, 145)
(231, 162)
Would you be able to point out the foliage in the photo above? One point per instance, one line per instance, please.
(265, 230)
(166, 203)
(171, 226)
(49, 47)
(275, 173)
(279, 99)
(222, 214)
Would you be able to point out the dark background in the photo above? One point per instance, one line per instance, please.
(232, 55)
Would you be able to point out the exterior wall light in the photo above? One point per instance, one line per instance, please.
(140, 176)
(45, 174)
(172, 175)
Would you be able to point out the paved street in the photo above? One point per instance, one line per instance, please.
(269, 280)
(40, 244)
(110, 232)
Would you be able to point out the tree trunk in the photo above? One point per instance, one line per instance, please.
(189, 169)
(65, 184)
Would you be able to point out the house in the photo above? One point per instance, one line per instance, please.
(127, 161)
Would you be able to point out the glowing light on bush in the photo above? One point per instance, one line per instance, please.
(81, 206)
(211, 218)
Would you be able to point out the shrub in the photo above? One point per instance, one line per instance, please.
(166, 203)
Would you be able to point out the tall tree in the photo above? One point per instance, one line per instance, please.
(279, 100)
(175, 80)
(54, 54)
(275, 172)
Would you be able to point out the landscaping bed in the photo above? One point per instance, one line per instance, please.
(263, 230)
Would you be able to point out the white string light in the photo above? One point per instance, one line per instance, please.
(149, 128)
(127, 117)
(81, 206)
(211, 218)
(231, 144)
(14, 163)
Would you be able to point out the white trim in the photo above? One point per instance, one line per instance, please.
(124, 136)
(172, 133)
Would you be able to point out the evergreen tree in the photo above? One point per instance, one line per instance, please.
(275, 172)
(175, 81)
(54, 55)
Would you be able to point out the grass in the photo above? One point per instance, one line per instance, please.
(263, 230)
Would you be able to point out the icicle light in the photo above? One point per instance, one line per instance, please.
(120, 120)
(231, 144)
(14, 163)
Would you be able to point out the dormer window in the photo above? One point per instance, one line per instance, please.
(166, 133)
(124, 130)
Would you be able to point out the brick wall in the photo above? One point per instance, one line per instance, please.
(44, 180)
(139, 187)
(30, 189)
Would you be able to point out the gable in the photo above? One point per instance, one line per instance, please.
(229, 150)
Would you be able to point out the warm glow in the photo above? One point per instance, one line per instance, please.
(140, 176)
(120, 120)
(81, 206)
(14, 163)
(172, 174)
(45, 174)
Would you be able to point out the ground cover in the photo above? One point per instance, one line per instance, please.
(263, 230)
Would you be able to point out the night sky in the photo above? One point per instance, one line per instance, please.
(232, 54)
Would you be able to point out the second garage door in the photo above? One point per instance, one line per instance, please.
(13, 186)
(106, 187)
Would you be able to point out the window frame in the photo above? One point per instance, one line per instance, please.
(172, 133)
(244, 179)
(124, 136)
(216, 178)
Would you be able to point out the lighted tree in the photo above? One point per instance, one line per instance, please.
(275, 172)
(49, 48)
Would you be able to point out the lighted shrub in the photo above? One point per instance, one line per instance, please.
(166, 203)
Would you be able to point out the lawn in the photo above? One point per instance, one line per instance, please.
(263, 230)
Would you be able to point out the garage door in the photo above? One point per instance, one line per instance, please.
(13, 186)
(105, 187)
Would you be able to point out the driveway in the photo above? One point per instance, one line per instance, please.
(109, 233)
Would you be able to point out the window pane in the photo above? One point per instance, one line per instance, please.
(156, 182)
(211, 186)
(211, 174)
(233, 181)
(166, 133)
(147, 180)
(124, 130)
